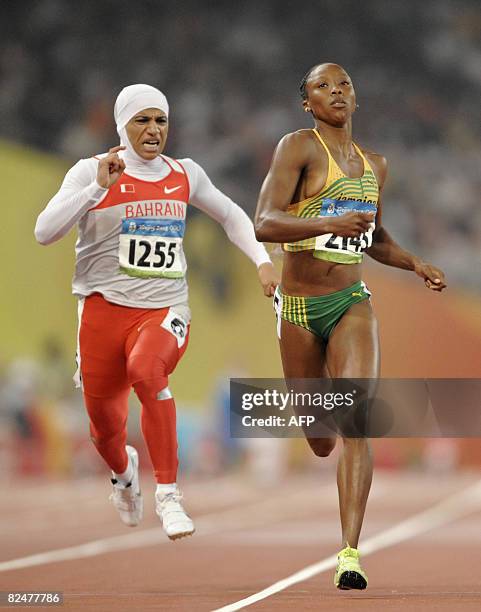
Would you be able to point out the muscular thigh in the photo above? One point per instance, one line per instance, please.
(303, 356)
(155, 347)
(101, 342)
(353, 353)
(353, 347)
(302, 353)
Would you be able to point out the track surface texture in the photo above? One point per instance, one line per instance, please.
(421, 535)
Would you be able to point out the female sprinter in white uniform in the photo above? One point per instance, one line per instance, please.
(130, 206)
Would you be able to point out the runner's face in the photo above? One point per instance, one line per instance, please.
(330, 94)
(147, 132)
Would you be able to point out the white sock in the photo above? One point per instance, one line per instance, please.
(126, 477)
(164, 489)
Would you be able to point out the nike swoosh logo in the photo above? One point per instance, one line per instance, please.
(167, 190)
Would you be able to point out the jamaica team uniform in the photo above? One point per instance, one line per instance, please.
(340, 194)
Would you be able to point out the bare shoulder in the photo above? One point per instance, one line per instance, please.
(299, 138)
(297, 146)
(378, 163)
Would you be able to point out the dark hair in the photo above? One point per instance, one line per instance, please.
(305, 78)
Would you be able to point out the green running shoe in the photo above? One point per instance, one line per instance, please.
(349, 574)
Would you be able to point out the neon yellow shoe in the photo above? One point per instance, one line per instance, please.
(349, 574)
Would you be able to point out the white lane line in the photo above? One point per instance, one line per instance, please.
(454, 507)
(248, 515)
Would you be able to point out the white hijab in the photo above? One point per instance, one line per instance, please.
(130, 101)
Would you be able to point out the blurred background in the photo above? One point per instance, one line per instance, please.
(231, 72)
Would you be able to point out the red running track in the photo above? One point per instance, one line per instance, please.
(248, 538)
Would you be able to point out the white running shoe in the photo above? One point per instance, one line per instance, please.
(128, 500)
(175, 521)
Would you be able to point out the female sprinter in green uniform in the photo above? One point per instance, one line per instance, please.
(321, 198)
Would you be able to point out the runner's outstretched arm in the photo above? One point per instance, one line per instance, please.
(234, 221)
(387, 251)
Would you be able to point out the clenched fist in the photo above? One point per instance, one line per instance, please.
(268, 278)
(433, 277)
(350, 224)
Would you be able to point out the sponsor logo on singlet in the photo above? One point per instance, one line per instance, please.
(344, 244)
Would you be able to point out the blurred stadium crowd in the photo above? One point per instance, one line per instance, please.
(231, 72)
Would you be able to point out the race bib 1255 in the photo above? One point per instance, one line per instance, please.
(151, 247)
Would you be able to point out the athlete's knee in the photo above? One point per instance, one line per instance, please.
(107, 416)
(322, 447)
(152, 390)
(164, 393)
(145, 367)
(107, 436)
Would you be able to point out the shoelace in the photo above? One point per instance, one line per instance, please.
(170, 504)
(169, 498)
(349, 553)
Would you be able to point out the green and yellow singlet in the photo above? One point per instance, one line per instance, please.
(339, 195)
